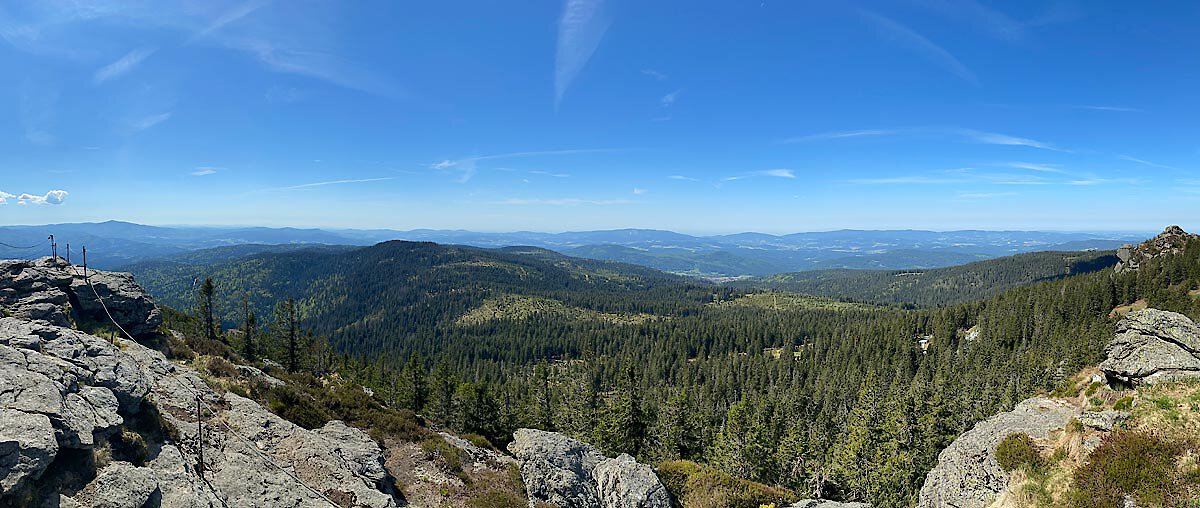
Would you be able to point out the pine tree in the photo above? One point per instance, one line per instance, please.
(286, 327)
(249, 331)
(442, 386)
(207, 290)
(412, 391)
(621, 426)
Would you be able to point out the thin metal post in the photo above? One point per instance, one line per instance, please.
(53, 247)
(199, 439)
(68, 253)
(85, 262)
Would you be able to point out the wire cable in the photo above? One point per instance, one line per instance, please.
(43, 243)
(249, 443)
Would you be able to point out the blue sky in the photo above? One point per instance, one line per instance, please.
(697, 116)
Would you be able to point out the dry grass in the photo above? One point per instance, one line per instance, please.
(520, 308)
(1122, 310)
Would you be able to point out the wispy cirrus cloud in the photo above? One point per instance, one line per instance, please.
(327, 183)
(466, 167)
(983, 195)
(1147, 163)
(561, 202)
(861, 133)
(773, 173)
(918, 43)
(122, 65)
(905, 180)
(669, 99)
(149, 121)
(992, 21)
(205, 171)
(957, 133)
(1044, 168)
(654, 74)
(1118, 109)
(993, 138)
(683, 178)
(580, 30)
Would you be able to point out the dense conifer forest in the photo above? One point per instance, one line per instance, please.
(843, 401)
(937, 286)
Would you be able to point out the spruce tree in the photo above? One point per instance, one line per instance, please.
(207, 290)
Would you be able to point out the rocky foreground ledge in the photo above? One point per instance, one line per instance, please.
(89, 422)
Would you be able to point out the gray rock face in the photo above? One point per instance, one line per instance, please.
(821, 503)
(1171, 241)
(567, 473)
(119, 485)
(967, 474)
(1103, 420)
(53, 292)
(64, 389)
(27, 447)
(624, 483)
(1153, 345)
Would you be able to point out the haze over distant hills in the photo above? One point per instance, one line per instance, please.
(114, 244)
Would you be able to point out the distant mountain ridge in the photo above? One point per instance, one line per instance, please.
(114, 244)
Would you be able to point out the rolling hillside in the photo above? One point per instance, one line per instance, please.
(939, 286)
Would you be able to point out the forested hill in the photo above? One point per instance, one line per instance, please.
(834, 400)
(937, 286)
(372, 294)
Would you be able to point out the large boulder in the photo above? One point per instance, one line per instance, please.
(120, 485)
(1171, 241)
(54, 292)
(27, 446)
(63, 389)
(565, 472)
(1153, 345)
(967, 474)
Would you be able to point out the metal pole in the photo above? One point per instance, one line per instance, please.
(85, 262)
(53, 247)
(199, 439)
(68, 253)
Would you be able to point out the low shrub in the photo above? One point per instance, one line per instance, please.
(451, 456)
(1017, 451)
(699, 486)
(1123, 404)
(479, 441)
(220, 367)
(1129, 463)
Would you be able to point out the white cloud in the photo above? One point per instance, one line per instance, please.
(4, 197)
(918, 43)
(466, 167)
(775, 173)
(1044, 168)
(971, 135)
(580, 30)
(562, 202)
(54, 197)
(147, 122)
(862, 133)
(1119, 109)
(654, 74)
(330, 182)
(984, 195)
(684, 178)
(204, 171)
(123, 65)
(992, 138)
(904, 180)
(639, 191)
(1147, 163)
(669, 99)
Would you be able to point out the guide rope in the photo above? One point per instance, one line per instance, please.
(249, 443)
